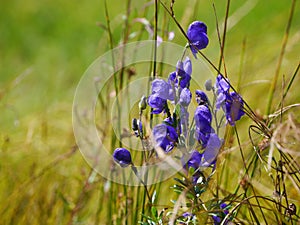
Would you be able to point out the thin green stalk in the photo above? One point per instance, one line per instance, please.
(137, 205)
(125, 195)
(238, 86)
(224, 39)
(277, 71)
(115, 76)
(241, 150)
(125, 40)
(100, 201)
(155, 38)
(154, 54)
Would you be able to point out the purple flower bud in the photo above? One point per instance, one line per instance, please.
(134, 126)
(187, 66)
(208, 85)
(197, 34)
(143, 103)
(201, 97)
(122, 156)
(185, 97)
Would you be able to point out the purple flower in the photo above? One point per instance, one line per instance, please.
(122, 156)
(234, 108)
(161, 92)
(212, 150)
(222, 88)
(194, 160)
(208, 157)
(202, 137)
(169, 121)
(162, 89)
(165, 136)
(157, 103)
(231, 103)
(224, 206)
(197, 34)
(182, 74)
(185, 97)
(203, 118)
(218, 217)
(201, 97)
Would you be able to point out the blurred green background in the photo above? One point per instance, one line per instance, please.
(45, 47)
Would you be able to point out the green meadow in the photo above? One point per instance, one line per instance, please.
(45, 48)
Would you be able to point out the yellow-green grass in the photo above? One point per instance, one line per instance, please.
(45, 47)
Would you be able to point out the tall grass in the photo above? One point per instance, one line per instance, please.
(44, 178)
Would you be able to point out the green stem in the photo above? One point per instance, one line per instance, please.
(277, 71)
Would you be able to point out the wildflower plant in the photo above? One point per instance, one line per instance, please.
(194, 133)
(185, 128)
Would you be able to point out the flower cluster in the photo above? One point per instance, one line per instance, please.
(198, 141)
(175, 94)
(176, 91)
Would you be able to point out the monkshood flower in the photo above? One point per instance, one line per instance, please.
(209, 155)
(231, 103)
(212, 150)
(162, 88)
(220, 216)
(222, 88)
(122, 156)
(194, 160)
(234, 108)
(197, 34)
(203, 117)
(182, 74)
(161, 92)
(208, 158)
(201, 97)
(157, 103)
(165, 136)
